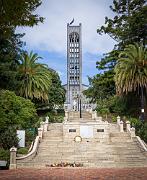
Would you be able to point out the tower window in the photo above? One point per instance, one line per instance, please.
(74, 37)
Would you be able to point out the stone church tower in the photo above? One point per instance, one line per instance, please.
(74, 62)
(74, 87)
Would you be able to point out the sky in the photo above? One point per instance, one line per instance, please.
(49, 39)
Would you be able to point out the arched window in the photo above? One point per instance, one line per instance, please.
(74, 37)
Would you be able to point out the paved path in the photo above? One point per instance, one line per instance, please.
(75, 174)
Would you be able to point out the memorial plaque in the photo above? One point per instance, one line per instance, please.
(100, 130)
(21, 137)
(86, 131)
(72, 130)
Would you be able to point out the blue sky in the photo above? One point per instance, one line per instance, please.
(49, 39)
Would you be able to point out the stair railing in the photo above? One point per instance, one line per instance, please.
(14, 159)
(130, 130)
(120, 124)
(13, 151)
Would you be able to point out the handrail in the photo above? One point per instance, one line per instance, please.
(31, 147)
(141, 143)
(34, 149)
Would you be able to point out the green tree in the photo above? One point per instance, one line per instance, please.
(57, 92)
(16, 111)
(8, 138)
(102, 86)
(14, 13)
(10, 48)
(128, 24)
(35, 78)
(131, 69)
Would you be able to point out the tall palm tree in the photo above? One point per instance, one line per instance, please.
(131, 72)
(35, 77)
(131, 69)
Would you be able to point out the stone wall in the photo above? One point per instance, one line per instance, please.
(90, 131)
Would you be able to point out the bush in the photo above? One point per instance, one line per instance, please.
(55, 116)
(22, 150)
(16, 111)
(140, 127)
(8, 138)
(29, 137)
(4, 154)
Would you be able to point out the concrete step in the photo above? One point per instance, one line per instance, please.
(121, 151)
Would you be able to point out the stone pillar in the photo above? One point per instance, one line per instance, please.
(90, 110)
(65, 119)
(94, 114)
(40, 132)
(128, 126)
(45, 127)
(41, 124)
(121, 126)
(118, 120)
(132, 130)
(99, 118)
(66, 114)
(47, 119)
(13, 164)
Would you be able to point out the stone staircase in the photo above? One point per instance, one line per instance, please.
(74, 116)
(120, 151)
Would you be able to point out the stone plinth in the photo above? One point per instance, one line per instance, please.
(13, 164)
(94, 131)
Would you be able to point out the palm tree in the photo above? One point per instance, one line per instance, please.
(131, 71)
(35, 77)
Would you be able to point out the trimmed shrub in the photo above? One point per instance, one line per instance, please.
(22, 150)
(4, 154)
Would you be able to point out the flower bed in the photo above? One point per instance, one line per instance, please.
(64, 164)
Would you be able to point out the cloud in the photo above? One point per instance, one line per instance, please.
(49, 39)
(51, 35)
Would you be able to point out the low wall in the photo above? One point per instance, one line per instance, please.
(90, 131)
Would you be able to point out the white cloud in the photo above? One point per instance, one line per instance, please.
(51, 35)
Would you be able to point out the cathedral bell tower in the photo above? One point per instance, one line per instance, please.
(74, 63)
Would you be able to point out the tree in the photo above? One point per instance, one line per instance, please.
(131, 69)
(14, 13)
(10, 48)
(57, 92)
(8, 138)
(102, 85)
(16, 111)
(131, 72)
(35, 78)
(129, 23)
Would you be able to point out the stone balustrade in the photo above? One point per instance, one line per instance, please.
(66, 114)
(120, 124)
(13, 151)
(94, 114)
